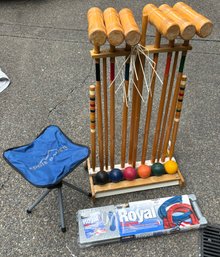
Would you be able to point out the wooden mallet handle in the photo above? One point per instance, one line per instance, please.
(187, 29)
(167, 27)
(113, 25)
(203, 25)
(130, 27)
(96, 26)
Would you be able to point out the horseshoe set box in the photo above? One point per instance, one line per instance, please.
(140, 219)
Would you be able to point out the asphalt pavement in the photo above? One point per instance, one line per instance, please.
(44, 49)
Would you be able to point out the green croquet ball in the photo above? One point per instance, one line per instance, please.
(157, 169)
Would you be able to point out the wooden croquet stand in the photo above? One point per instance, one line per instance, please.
(169, 22)
(138, 184)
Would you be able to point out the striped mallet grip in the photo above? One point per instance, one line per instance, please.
(177, 114)
(180, 98)
(92, 108)
(167, 27)
(203, 25)
(187, 29)
(92, 126)
(115, 33)
(96, 27)
(131, 31)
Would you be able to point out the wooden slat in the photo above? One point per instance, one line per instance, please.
(164, 48)
(182, 180)
(91, 179)
(136, 189)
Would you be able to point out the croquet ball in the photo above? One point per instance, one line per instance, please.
(130, 173)
(171, 167)
(144, 171)
(115, 175)
(101, 178)
(157, 169)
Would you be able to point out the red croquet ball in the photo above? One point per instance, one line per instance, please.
(130, 173)
(144, 171)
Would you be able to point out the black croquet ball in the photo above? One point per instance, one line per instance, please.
(115, 175)
(157, 169)
(101, 178)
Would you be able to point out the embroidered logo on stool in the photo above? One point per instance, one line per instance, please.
(51, 154)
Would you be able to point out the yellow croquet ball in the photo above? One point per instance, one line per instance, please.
(171, 167)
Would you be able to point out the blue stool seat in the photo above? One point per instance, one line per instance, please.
(46, 161)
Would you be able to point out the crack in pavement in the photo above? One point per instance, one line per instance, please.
(47, 39)
(4, 182)
(70, 92)
(39, 26)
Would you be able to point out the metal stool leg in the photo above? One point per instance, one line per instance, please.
(60, 199)
(77, 188)
(38, 200)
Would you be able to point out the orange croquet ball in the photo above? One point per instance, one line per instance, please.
(144, 171)
(171, 167)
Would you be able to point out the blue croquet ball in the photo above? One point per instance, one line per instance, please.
(115, 175)
(101, 178)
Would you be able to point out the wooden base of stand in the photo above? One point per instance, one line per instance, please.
(138, 184)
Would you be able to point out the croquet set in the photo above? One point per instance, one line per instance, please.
(133, 146)
(148, 132)
(143, 134)
(141, 219)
